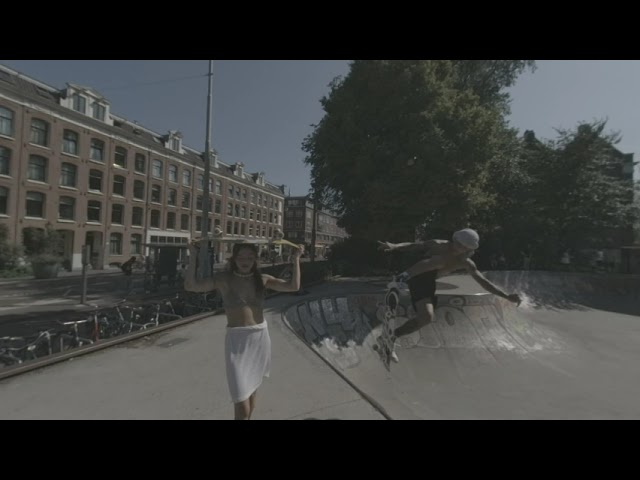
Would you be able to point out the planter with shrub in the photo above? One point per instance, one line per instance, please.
(45, 265)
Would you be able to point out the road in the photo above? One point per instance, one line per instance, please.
(29, 304)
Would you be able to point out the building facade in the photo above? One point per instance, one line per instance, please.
(298, 224)
(68, 163)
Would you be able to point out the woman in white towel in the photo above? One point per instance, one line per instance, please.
(247, 342)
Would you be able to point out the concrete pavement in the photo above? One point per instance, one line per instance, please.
(180, 374)
(481, 359)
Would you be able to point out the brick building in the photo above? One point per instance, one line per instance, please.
(68, 162)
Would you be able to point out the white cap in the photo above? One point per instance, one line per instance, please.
(467, 237)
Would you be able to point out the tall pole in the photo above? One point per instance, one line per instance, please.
(314, 228)
(85, 262)
(204, 261)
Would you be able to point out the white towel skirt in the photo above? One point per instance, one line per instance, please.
(248, 359)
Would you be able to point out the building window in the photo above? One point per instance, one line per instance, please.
(251, 230)
(6, 122)
(4, 200)
(94, 210)
(171, 220)
(229, 226)
(68, 174)
(115, 243)
(210, 185)
(99, 111)
(229, 209)
(37, 168)
(251, 211)
(136, 216)
(35, 204)
(198, 224)
(5, 161)
(218, 187)
(156, 193)
(172, 198)
(155, 218)
(243, 212)
(201, 182)
(186, 200)
(117, 214)
(199, 202)
(138, 189)
(230, 191)
(70, 142)
(270, 217)
(96, 151)
(258, 216)
(79, 103)
(136, 244)
(120, 158)
(66, 208)
(39, 132)
(242, 229)
(253, 197)
(235, 228)
(140, 163)
(184, 222)
(156, 169)
(237, 210)
(119, 185)
(218, 208)
(95, 180)
(173, 173)
(175, 144)
(270, 232)
(186, 178)
(244, 194)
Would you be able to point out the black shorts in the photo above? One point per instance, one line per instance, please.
(423, 287)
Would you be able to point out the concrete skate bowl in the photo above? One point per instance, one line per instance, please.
(482, 358)
(568, 291)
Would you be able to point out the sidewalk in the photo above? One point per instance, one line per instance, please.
(180, 374)
(61, 275)
(78, 273)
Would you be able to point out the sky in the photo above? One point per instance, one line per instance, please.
(263, 109)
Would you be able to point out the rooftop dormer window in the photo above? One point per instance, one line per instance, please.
(174, 141)
(98, 111)
(79, 103)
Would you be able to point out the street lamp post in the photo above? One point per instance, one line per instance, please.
(204, 269)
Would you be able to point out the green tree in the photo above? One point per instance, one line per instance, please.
(570, 192)
(409, 143)
(589, 196)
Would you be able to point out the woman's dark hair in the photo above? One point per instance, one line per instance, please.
(257, 276)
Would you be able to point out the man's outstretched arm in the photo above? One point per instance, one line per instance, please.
(490, 287)
(405, 247)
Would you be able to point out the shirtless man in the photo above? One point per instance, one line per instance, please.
(445, 257)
